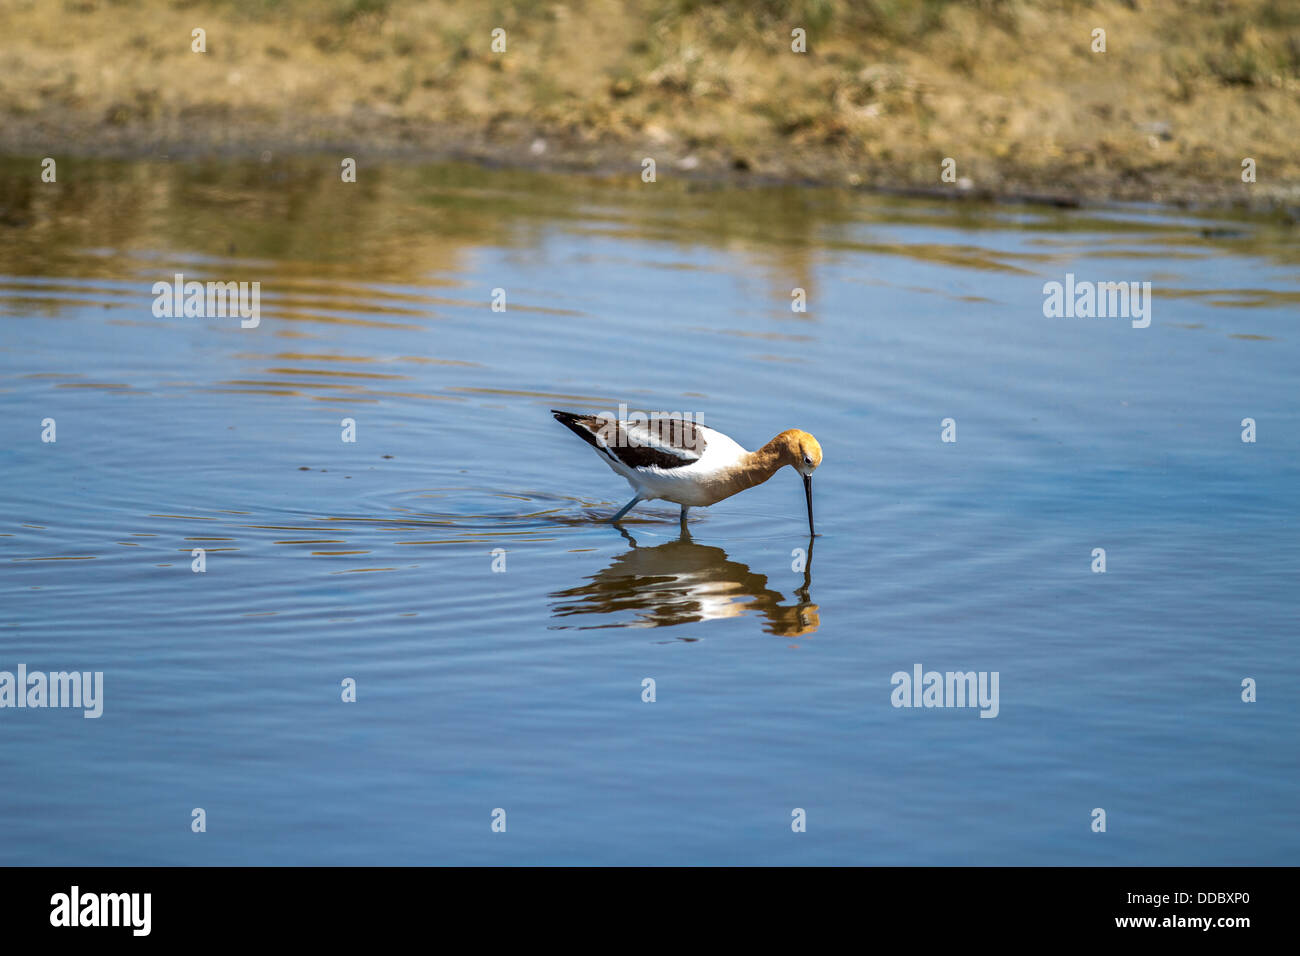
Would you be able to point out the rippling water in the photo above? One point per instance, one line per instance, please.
(454, 562)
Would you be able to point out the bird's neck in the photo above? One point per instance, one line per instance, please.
(761, 465)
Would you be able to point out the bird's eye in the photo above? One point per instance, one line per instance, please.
(807, 460)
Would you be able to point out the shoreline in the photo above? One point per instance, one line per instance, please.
(534, 150)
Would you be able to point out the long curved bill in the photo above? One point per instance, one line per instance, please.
(807, 490)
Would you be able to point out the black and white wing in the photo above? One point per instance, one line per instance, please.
(659, 443)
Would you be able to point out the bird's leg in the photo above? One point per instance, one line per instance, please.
(685, 508)
(625, 509)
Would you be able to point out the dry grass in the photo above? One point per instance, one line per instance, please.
(1009, 88)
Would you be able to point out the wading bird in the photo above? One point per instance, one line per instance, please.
(674, 459)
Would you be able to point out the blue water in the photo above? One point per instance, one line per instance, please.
(521, 689)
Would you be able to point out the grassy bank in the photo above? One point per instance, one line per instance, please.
(1011, 91)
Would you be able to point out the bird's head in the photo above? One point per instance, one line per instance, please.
(803, 453)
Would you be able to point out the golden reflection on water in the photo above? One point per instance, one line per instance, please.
(682, 582)
(402, 265)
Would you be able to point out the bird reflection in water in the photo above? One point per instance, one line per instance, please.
(681, 582)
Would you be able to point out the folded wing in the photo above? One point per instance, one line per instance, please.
(665, 443)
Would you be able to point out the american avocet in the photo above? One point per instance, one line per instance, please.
(680, 461)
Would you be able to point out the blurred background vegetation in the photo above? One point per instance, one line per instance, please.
(1010, 89)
